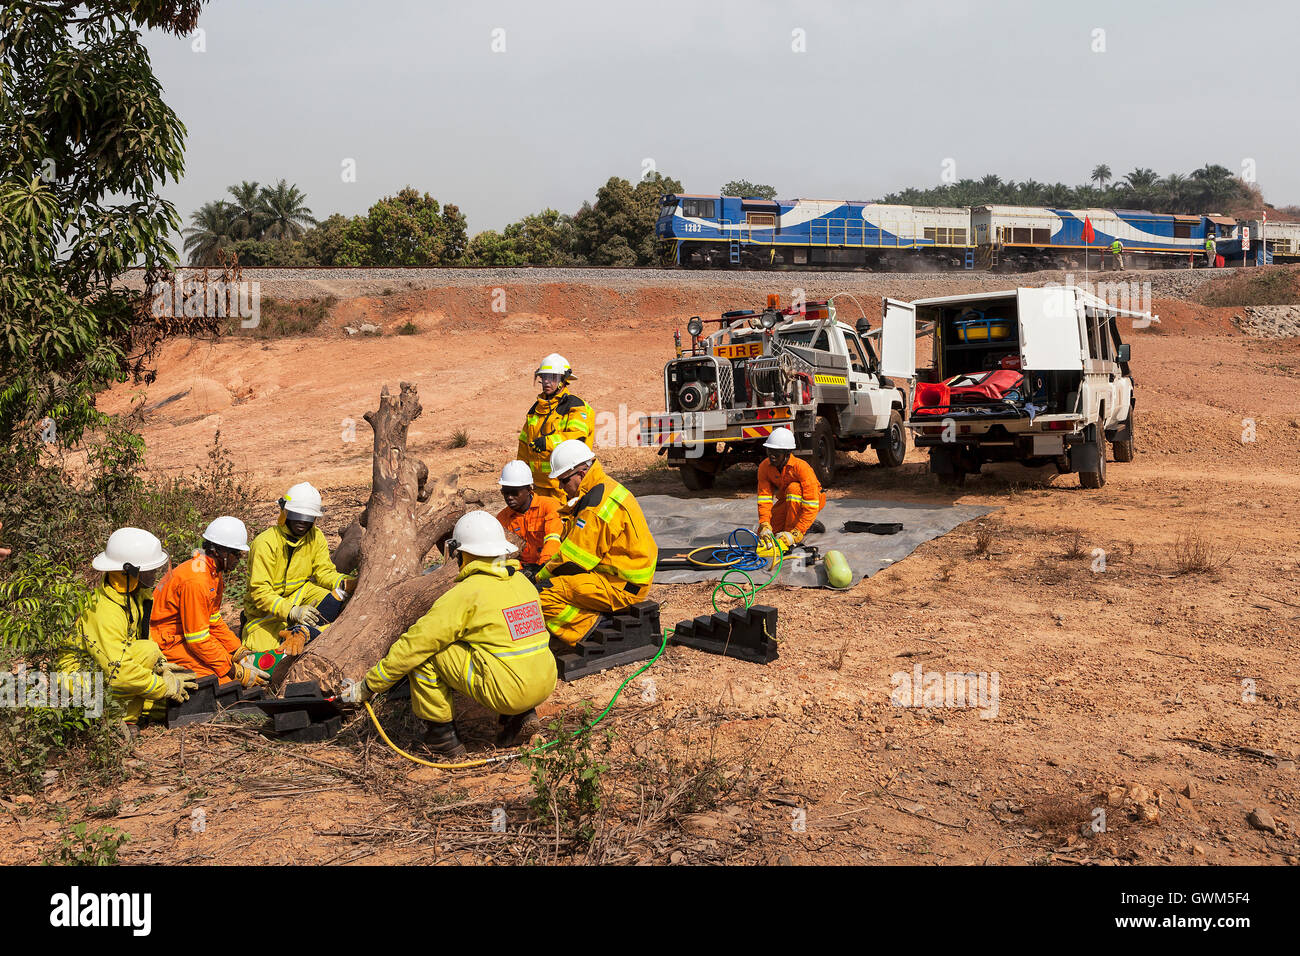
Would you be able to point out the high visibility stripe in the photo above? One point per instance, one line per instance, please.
(637, 575)
(764, 499)
(197, 637)
(259, 620)
(524, 652)
(544, 467)
(383, 674)
(795, 499)
(426, 681)
(556, 624)
(551, 537)
(584, 559)
(214, 618)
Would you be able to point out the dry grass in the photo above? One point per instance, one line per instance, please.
(1075, 547)
(459, 438)
(1194, 553)
(985, 533)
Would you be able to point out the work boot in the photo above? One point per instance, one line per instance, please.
(516, 727)
(817, 528)
(442, 740)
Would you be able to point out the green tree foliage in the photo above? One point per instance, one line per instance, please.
(216, 227)
(618, 228)
(1211, 188)
(283, 212)
(408, 229)
(324, 245)
(86, 142)
(743, 187)
(542, 239)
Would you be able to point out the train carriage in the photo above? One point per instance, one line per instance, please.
(1012, 238)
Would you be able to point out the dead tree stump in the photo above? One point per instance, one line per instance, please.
(405, 517)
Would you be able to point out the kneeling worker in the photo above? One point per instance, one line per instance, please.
(293, 587)
(789, 494)
(607, 558)
(536, 519)
(186, 621)
(112, 632)
(485, 638)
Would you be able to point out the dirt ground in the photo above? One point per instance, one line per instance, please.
(1169, 700)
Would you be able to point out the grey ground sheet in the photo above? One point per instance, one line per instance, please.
(678, 522)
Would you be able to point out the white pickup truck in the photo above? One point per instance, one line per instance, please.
(1038, 376)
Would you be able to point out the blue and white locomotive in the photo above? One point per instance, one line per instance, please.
(706, 231)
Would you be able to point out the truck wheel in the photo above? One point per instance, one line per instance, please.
(1124, 449)
(1095, 479)
(697, 479)
(823, 452)
(892, 448)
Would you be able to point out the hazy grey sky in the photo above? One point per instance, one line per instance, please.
(711, 91)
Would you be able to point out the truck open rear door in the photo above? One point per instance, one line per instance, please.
(898, 339)
(1050, 339)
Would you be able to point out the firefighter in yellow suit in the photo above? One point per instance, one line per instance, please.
(485, 638)
(112, 633)
(608, 555)
(555, 417)
(294, 590)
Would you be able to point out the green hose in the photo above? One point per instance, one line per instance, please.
(736, 591)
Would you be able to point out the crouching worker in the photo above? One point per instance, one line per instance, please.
(186, 621)
(113, 631)
(294, 589)
(534, 518)
(485, 638)
(789, 494)
(607, 558)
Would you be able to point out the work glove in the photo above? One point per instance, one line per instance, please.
(786, 540)
(346, 588)
(539, 445)
(178, 684)
(530, 572)
(248, 675)
(764, 530)
(293, 641)
(306, 614)
(356, 692)
(240, 654)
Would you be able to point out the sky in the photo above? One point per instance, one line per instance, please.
(506, 108)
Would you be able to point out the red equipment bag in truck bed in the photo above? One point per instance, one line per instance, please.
(976, 387)
(930, 398)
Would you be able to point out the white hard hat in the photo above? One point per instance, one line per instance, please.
(133, 546)
(303, 499)
(228, 532)
(781, 439)
(554, 364)
(568, 455)
(480, 534)
(516, 474)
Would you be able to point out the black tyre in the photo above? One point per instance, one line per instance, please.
(1095, 479)
(892, 449)
(1123, 450)
(823, 452)
(697, 479)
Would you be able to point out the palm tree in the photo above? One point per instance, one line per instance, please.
(1174, 191)
(215, 229)
(1215, 185)
(1058, 195)
(284, 212)
(1100, 175)
(248, 208)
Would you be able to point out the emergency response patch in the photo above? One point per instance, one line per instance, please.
(524, 620)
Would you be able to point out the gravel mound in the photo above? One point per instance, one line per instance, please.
(349, 283)
(1269, 321)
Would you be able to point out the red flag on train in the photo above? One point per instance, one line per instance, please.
(1089, 234)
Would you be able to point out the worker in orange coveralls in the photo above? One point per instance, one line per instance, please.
(789, 494)
(186, 621)
(533, 517)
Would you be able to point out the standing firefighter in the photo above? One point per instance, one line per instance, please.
(533, 518)
(186, 621)
(1117, 254)
(113, 631)
(607, 558)
(1209, 252)
(293, 587)
(789, 494)
(485, 638)
(555, 417)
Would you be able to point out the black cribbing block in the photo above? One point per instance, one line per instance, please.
(202, 704)
(316, 708)
(228, 693)
(629, 636)
(304, 688)
(721, 624)
(332, 727)
(251, 693)
(747, 635)
(290, 720)
(313, 733)
(704, 626)
(753, 627)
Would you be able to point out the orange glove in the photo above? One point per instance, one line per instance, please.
(248, 675)
(293, 641)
